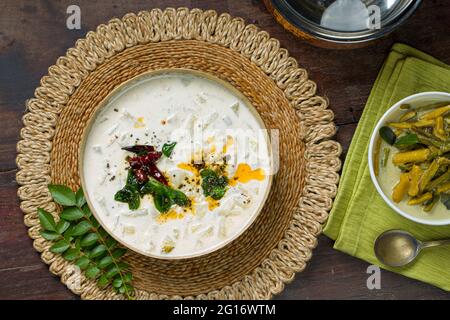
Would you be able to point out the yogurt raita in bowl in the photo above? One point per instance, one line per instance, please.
(176, 164)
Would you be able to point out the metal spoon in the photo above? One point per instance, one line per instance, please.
(397, 248)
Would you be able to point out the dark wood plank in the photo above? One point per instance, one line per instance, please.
(339, 276)
(33, 35)
(22, 273)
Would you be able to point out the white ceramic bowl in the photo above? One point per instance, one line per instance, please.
(101, 217)
(415, 100)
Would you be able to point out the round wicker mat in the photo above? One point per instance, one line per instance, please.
(279, 243)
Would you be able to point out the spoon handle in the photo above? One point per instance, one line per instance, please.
(435, 243)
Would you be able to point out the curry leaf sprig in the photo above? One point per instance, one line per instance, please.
(79, 238)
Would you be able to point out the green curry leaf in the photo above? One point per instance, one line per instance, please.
(388, 135)
(167, 148)
(46, 220)
(79, 238)
(62, 195)
(407, 140)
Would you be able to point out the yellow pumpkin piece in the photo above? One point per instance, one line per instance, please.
(430, 206)
(435, 113)
(419, 155)
(442, 179)
(438, 129)
(398, 132)
(421, 199)
(408, 115)
(410, 125)
(423, 123)
(414, 177)
(399, 191)
(428, 175)
(443, 161)
(167, 248)
(443, 188)
(433, 149)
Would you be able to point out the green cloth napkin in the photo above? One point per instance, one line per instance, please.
(359, 214)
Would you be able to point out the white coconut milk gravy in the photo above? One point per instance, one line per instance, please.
(207, 121)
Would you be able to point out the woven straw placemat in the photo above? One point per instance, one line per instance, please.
(280, 241)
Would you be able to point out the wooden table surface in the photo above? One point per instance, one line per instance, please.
(33, 35)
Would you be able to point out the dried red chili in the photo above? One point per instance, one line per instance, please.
(139, 148)
(154, 172)
(141, 175)
(143, 165)
(144, 160)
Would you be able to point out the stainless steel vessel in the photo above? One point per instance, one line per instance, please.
(336, 23)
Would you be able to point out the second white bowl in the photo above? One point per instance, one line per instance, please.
(391, 115)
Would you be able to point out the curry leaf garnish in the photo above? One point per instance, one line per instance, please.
(167, 148)
(388, 135)
(163, 196)
(407, 140)
(130, 193)
(178, 197)
(162, 202)
(79, 238)
(129, 196)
